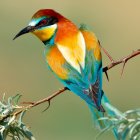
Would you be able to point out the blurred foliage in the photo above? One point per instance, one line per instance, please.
(127, 124)
(10, 125)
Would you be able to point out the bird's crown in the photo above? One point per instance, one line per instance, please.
(46, 13)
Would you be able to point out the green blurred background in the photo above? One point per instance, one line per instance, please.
(23, 69)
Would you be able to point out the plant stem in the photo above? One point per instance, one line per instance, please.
(48, 99)
(105, 69)
(122, 60)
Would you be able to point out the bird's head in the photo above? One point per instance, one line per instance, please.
(43, 24)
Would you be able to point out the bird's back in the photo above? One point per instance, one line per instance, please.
(84, 77)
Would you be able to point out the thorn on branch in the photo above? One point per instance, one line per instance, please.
(107, 75)
(49, 103)
(48, 99)
(106, 52)
(108, 55)
(123, 60)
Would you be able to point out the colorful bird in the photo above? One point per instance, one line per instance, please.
(73, 54)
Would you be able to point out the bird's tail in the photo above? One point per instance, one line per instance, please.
(98, 115)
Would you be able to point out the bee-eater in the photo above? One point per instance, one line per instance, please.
(74, 55)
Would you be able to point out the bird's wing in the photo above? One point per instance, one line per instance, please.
(66, 62)
(93, 65)
(93, 58)
(91, 42)
(73, 50)
(55, 61)
(67, 57)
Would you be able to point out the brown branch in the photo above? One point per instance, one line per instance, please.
(48, 99)
(123, 60)
(31, 105)
(105, 69)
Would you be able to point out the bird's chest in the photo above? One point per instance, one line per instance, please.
(56, 62)
(67, 56)
(66, 72)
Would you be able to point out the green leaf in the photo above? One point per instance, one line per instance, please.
(133, 128)
(117, 113)
(136, 136)
(3, 98)
(16, 99)
(26, 132)
(1, 137)
(11, 126)
(21, 117)
(136, 111)
(104, 131)
(10, 101)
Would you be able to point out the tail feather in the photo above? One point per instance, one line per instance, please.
(98, 114)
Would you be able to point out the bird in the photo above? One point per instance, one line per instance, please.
(73, 54)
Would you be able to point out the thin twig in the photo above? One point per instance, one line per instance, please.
(123, 60)
(48, 99)
(108, 55)
(106, 52)
(114, 63)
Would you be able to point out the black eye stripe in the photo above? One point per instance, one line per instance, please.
(47, 22)
(41, 22)
(53, 20)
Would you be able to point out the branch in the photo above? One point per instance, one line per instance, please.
(11, 114)
(48, 99)
(31, 105)
(123, 60)
(105, 69)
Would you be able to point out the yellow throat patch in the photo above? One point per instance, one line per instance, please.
(46, 32)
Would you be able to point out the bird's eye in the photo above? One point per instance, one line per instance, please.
(42, 22)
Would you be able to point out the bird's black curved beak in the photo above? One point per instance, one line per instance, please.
(24, 31)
